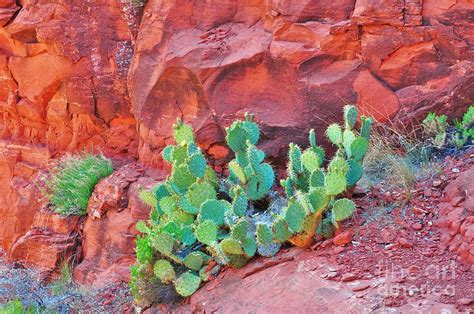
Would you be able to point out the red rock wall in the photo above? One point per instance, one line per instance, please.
(107, 76)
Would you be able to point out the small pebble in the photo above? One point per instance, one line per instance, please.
(455, 170)
(405, 243)
(349, 277)
(417, 226)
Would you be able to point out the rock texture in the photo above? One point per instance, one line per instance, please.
(113, 75)
(295, 64)
(108, 245)
(456, 217)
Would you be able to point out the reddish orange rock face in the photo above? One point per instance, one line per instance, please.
(105, 76)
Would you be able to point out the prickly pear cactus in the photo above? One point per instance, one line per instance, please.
(314, 191)
(248, 170)
(194, 228)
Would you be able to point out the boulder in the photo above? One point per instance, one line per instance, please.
(108, 246)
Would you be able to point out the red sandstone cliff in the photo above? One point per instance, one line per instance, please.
(105, 75)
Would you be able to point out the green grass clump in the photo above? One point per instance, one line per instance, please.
(60, 285)
(73, 182)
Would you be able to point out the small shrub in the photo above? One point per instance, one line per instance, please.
(439, 133)
(73, 182)
(197, 225)
(60, 285)
(397, 155)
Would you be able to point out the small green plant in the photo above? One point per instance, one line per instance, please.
(73, 182)
(439, 133)
(64, 280)
(435, 127)
(465, 128)
(398, 156)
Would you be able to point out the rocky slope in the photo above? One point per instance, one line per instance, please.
(112, 76)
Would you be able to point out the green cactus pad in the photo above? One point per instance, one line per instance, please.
(359, 148)
(348, 139)
(142, 227)
(212, 210)
(164, 243)
(266, 171)
(295, 158)
(236, 170)
(317, 178)
(236, 137)
(199, 192)
(338, 164)
(187, 236)
(180, 154)
(342, 209)
(264, 234)
(171, 228)
(254, 156)
(164, 271)
(192, 148)
(268, 250)
(366, 127)
(334, 134)
(161, 191)
(211, 177)
(310, 160)
(231, 246)
(197, 165)
(242, 159)
(182, 177)
(193, 261)
(206, 232)
(250, 247)
(256, 188)
(182, 219)
(183, 133)
(287, 185)
(167, 204)
(187, 284)
(318, 199)
(294, 216)
(239, 230)
(167, 153)
(312, 138)
(335, 183)
(186, 206)
(252, 130)
(350, 116)
(281, 233)
(320, 152)
(355, 172)
(143, 250)
(239, 205)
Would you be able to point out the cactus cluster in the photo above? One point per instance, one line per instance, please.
(314, 192)
(189, 224)
(195, 227)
